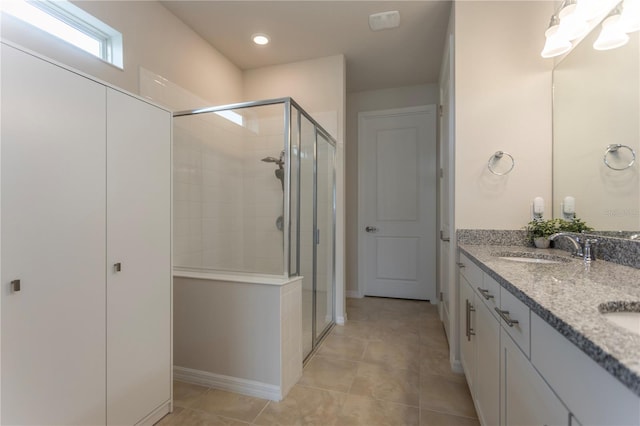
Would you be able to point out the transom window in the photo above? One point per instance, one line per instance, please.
(68, 22)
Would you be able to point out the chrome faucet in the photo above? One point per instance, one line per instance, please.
(584, 247)
(575, 240)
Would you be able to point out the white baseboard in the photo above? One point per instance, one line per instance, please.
(341, 320)
(354, 294)
(227, 383)
(156, 415)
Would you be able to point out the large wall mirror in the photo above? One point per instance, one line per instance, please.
(596, 98)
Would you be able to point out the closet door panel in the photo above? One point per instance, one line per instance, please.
(53, 241)
(138, 238)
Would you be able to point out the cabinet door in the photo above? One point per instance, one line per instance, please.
(53, 241)
(487, 390)
(138, 239)
(467, 338)
(526, 398)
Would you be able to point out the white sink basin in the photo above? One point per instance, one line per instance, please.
(528, 257)
(628, 320)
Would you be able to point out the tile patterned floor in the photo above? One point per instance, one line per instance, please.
(387, 366)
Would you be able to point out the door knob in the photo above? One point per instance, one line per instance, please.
(371, 229)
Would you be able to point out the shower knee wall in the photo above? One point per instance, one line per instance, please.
(240, 334)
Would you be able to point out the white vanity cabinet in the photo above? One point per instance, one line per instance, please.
(467, 332)
(593, 395)
(487, 389)
(480, 340)
(85, 184)
(494, 328)
(526, 398)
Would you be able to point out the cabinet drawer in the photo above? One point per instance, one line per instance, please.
(515, 319)
(489, 293)
(470, 271)
(593, 395)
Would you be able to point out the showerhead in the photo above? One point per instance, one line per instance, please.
(270, 160)
(278, 161)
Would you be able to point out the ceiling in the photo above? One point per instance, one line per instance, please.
(300, 30)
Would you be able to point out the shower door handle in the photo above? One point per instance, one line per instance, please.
(371, 229)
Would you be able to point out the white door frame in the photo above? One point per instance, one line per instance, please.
(361, 207)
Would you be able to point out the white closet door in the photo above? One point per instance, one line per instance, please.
(138, 238)
(53, 241)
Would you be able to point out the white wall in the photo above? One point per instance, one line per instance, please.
(503, 102)
(371, 100)
(153, 38)
(318, 85)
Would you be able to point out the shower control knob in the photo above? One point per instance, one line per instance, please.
(372, 229)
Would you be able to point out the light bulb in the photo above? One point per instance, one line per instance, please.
(612, 35)
(573, 26)
(555, 44)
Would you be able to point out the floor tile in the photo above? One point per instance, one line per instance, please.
(304, 406)
(398, 355)
(230, 405)
(446, 395)
(329, 373)
(432, 418)
(436, 363)
(189, 417)
(170, 419)
(343, 347)
(389, 365)
(184, 394)
(401, 386)
(365, 411)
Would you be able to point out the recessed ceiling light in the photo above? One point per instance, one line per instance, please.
(260, 39)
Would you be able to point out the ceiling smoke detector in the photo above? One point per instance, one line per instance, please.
(384, 20)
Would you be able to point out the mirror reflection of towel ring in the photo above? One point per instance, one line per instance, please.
(613, 148)
(497, 156)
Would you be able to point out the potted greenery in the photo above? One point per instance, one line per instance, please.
(538, 231)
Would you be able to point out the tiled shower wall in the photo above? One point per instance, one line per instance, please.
(226, 199)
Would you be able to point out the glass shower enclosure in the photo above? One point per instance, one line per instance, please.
(254, 195)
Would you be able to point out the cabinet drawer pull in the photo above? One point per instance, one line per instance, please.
(485, 293)
(505, 316)
(469, 331)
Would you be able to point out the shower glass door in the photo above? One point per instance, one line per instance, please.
(306, 162)
(324, 235)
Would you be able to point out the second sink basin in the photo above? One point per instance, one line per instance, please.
(625, 315)
(528, 257)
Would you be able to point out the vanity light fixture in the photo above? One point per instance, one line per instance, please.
(612, 34)
(573, 19)
(260, 39)
(555, 44)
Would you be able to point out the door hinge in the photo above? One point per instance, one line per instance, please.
(441, 172)
(440, 110)
(441, 297)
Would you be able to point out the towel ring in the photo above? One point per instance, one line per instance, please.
(497, 156)
(614, 148)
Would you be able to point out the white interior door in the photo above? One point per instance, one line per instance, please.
(53, 241)
(138, 238)
(397, 205)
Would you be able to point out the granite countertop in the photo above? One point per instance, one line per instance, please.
(567, 296)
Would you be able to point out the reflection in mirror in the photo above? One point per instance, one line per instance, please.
(596, 135)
